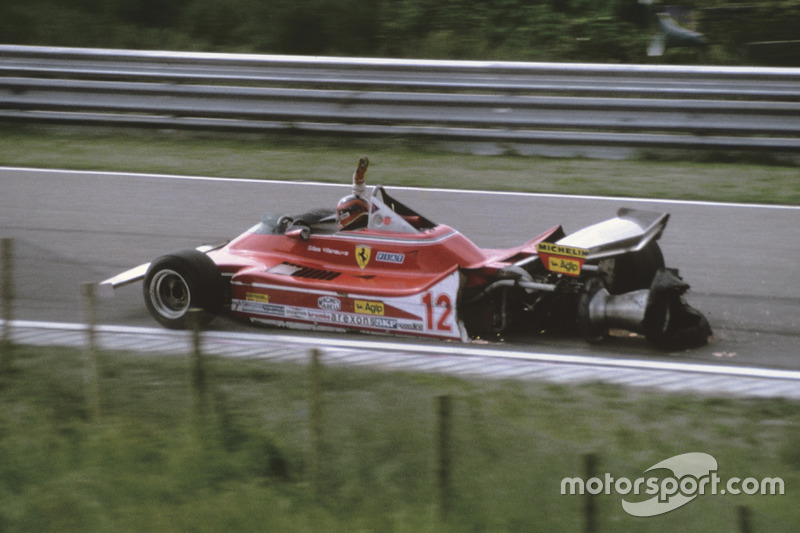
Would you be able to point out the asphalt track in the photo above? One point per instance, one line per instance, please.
(73, 227)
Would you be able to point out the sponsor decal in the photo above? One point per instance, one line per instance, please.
(363, 253)
(570, 267)
(368, 308)
(386, 257)
(265, 309)
(410, 326)
(271, 309)
(257, 297)
(329, 303)
(250, 306)
(557, 249)
(562, 259)
(364, 321)
(318, 316)
(432, 312)
(386, 323)
(296, 312)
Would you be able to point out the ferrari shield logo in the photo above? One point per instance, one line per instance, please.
(363, 253)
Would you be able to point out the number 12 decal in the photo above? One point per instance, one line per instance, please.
(443, 300)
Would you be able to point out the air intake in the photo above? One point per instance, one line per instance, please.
(299, 271)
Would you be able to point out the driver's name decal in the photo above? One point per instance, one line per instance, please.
(326, 250)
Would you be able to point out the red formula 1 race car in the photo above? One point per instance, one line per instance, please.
(376, 265)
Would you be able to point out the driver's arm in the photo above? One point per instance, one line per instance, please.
(359, 178)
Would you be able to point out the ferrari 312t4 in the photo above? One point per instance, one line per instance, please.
(376, 265)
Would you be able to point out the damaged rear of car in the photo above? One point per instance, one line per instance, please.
(605, 277)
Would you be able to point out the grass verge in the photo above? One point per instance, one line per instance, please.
(151, 464)
(394, 162)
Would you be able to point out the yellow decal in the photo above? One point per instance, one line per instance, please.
(562, 259)
(368, 308)
(363, 254)
(557, 249)
(257, 297)
(570, 267)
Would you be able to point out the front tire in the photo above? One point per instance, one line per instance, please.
(181, 281)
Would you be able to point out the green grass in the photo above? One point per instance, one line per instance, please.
(394, 162)
(146, 464)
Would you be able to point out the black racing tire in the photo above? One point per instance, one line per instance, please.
(636, 270)
(178, 282)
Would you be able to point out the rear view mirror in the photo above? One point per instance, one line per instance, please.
(299, 232)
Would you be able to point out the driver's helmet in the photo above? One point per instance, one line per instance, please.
(352, 213)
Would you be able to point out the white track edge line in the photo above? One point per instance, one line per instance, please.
(404, 188)
(463, 350)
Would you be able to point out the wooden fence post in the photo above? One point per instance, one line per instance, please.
(6, 302)
(91, 373)
(315, 422)
(743, 519)
(199, 378)
(443, 411)
(590, 500)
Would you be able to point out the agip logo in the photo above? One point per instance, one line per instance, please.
(566, 260)
(365, 307)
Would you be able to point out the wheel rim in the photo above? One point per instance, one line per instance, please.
(169, 294)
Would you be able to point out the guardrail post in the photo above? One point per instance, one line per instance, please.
(315, 421)
(91, 376)
(443, 412)
(6, 302)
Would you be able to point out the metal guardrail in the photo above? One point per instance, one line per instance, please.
(579, 105)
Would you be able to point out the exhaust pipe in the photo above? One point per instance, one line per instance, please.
(660, 313)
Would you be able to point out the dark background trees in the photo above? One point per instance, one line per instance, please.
(528, 30)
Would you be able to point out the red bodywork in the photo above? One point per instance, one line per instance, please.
(403, 274)
(368, 280)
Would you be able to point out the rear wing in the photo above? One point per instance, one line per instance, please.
(630, 231)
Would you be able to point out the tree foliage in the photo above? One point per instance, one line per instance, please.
(540, 30)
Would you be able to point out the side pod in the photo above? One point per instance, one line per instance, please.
(660, 313)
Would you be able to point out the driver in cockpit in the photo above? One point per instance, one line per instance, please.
(352, 212)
